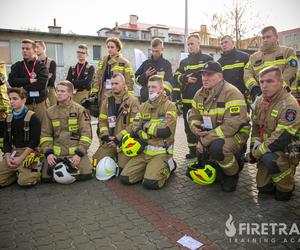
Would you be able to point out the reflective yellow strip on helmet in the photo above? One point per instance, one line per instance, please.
(274, 113)
(191, 67)
(102, 129)
(187, 101)
(235, 103)
(85, 139)
(233, 66)
(46, 139)
(263, 148)
(57, 150)
(219, 132)
(289, 129)
(229, 164)
(55, 123)
(72, 150)
(250, 82)
(103, 116)
(282, 175)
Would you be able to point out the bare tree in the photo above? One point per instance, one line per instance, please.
(238, 21)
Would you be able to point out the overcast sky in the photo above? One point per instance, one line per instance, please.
(86, 16)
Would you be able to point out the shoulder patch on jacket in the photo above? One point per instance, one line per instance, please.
(293, 63)
(290, 115)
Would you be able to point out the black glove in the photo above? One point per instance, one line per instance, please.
(104, 138)
(255, 91)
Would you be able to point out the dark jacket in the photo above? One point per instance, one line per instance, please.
(233, 65)
(19, 77)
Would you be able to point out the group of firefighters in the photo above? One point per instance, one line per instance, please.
(46, 127)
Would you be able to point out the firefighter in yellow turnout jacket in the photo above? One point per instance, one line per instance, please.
(155, 123)
(271, 53)
(115, 120)
(219, 119)
(66, 132)
(276, 122)
(109, 65)
(4, 101)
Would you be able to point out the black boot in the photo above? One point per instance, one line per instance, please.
(283, 196)
(192, 154)
(267, 189)
(229, 183)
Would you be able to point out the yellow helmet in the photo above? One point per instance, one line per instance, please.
(32, 160)
(131, 146)
(202, 175)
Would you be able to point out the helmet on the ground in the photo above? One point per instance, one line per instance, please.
(32, 160)
(131, 146)
(64, 172)
(106, 168)
(202, 175)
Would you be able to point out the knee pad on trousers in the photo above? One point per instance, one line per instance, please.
(269, 160)
(215, 149)
(124, 179)
(150, 184)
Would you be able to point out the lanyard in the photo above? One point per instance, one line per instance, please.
(78, 71)
(31, 74)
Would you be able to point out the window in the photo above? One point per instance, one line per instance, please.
(55, 52)
(96, 52)
(5, 52)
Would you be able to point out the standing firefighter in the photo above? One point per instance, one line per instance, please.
(51, 66)
(270, 53)
(189, 79)
(66, 133)
(109, 65)
(81, 75)
(154, 124)
(219, 120)
(32, 75)
(156, 65)
(274, 138)
(233, 62)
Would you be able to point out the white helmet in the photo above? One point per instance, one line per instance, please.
(63, 172)
(106, 168)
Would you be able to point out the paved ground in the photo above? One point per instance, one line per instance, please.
(108, 215)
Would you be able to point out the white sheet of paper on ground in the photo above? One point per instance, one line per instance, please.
(189, 242)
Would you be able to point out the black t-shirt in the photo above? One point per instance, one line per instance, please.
(17, 131)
